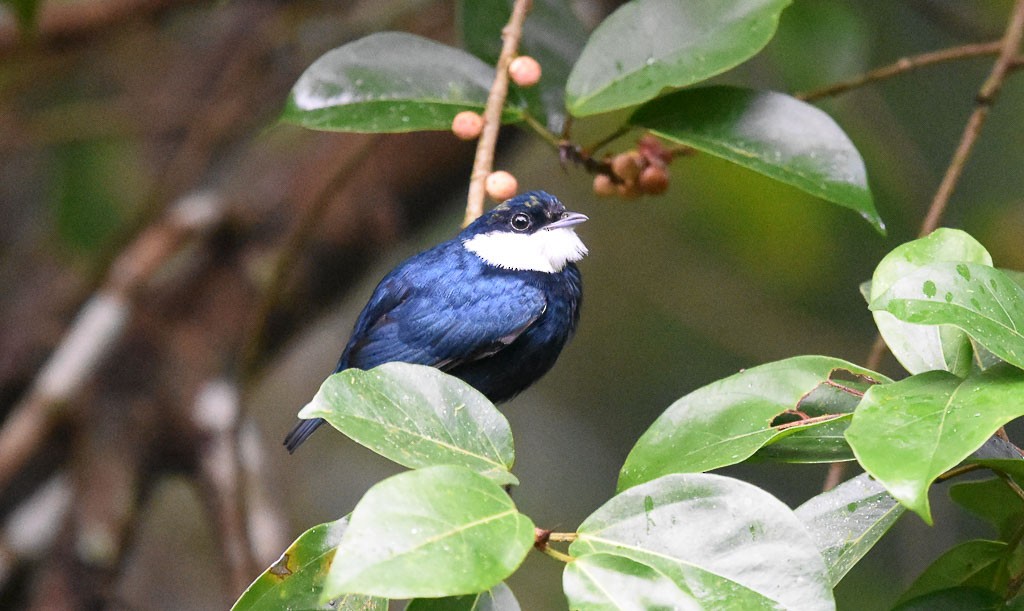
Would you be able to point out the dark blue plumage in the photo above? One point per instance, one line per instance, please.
(494, 306)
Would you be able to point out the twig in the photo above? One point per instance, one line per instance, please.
(1009, 46)
(901, 66)
(483, 163)
(542, 536)
(98, 326)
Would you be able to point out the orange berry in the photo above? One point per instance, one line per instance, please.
(501, 185)
(467, 125)
(603, 185)
(653, 180)
(524, 71)
(627, 165)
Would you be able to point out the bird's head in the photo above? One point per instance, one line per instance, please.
(532, 231)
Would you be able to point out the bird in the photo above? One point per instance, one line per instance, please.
(493, 306)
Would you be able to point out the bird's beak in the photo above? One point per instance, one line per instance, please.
(568, 220)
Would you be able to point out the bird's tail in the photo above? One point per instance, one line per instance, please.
(301, 433)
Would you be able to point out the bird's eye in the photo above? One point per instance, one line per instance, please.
(521, 222)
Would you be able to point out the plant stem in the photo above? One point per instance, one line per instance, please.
(901, 66)
(957, 471)
(1008, 47)
(1008, 59)
(483, 163)
(557, 555)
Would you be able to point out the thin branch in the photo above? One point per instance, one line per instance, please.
(1008, 59)
(1009, 46)
(483, 163)
(958, 471)
(902, 66)
(542, 536)
(557, 555)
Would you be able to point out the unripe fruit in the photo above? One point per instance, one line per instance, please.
(524, 71)
(653, 180)
(501, 185)
(603, 185)
(467, 125)
(627, 166)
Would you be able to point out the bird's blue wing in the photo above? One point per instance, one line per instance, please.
(441, 316)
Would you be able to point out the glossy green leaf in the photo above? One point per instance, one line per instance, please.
(1015, 275)
(848, 520)
(647, 46)
(295, 581)
(955, 599)
(390, 82)
(726, 421)
(909, 432)
(602, 581)
(498, 598)
(991, 500)
(921, 348)
(552, 35)
(770, 133)
(433, 532)
(418, 417)
(715, 538)
(970, 564)
(978, 299)
(823, 441)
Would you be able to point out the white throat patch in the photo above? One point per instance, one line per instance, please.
(542, 251)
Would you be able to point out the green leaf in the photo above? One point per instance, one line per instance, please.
(970, 564)
(552, 35)
(991, 500)
(390, 82)
(770, 133)
(498, 598)
(715, 538)
(820, 441)
(603, 581)
(418, 417)
(921, 348)
(978, 299)
(647, 46)
(438, 531)
(955, 599)
(848, 520)
(726, 421)
(909, 432)
(295, 581)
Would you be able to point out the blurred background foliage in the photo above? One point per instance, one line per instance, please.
(114, 110)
